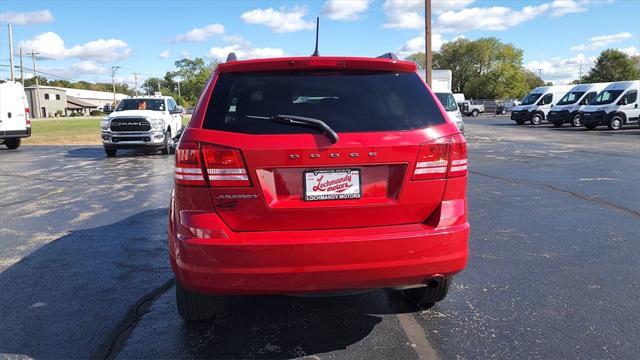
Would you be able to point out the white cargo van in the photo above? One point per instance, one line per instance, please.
(568, 108)
(615, 106)
(441, 86)
(537, 104)
(14, 114)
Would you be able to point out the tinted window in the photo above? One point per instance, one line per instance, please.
(57, 96)
(587, 99)
(346, 101)
(606, 97)
(448, 101)
(141, 104)
(171, 105)
(546, 99)
(632, 96)
(46, 96)
(570, 97)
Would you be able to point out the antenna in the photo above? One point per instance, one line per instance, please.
(315, 52)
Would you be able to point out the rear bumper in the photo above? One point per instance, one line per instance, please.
(12, 134)
(220, 261)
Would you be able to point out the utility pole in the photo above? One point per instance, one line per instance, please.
(427, 40)
(36, 103)
(540, 74)
(580, 77)
(11, 52)
(21, 69)
(135, 79)
(113, 82)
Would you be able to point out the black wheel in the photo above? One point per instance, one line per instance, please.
(575, 122)
(193, 306)
(475, 113)
(12, 143)
(615, 123)
(520, 122)
(536, 119)
(110, 152)
(168, 148)
(427, 296)
(590, 126)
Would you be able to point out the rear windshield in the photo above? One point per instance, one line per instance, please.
(347, 101)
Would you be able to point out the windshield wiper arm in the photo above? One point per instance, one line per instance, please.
(301, 121)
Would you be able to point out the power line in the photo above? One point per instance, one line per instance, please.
(42, 72)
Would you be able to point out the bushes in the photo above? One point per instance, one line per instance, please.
(95, 113)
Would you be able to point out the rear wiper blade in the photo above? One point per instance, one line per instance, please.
(301, 121)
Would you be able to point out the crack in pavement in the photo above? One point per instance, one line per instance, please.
(552, 188)
(114, 343)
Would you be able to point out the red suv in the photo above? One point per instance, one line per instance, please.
(311, 174)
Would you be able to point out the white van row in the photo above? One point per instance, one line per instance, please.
(612, 104)
(14, 114)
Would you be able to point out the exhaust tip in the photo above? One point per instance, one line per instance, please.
(434, 281)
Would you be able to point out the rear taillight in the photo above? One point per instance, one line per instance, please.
(225, 166)
(188, 169)
(446, 157)
(458, 156)
(27, 116)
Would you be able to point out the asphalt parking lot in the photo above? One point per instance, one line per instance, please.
(553, 271)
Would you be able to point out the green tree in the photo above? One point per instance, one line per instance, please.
(417, 58)
(531, 79)
(613, 65)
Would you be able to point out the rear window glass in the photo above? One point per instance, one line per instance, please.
(346, 101)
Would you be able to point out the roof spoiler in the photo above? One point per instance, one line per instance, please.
(232, 57)
(388, 55)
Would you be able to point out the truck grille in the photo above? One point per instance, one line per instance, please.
(130, 124)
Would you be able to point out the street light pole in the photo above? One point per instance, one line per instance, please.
(135, 79)
(427, 40)
(11, 52)
(36, 103)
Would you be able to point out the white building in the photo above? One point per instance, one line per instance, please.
(97, 98)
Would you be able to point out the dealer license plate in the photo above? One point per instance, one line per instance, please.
(334, 184)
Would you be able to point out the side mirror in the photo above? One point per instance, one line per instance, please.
(178, 110)
(623, 101)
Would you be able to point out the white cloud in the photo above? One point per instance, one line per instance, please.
(417, 44)
(243, 50)
(201, 34)
(51, 46)
(631, 51)
(562, 70)
(279, 21)
(345, 10)
(409, 14)
(563, 7)
(165, 54)
(488, 18)
(26, 18)
(89, 67)
(602, 41)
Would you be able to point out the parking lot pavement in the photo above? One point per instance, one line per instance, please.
(553, 270)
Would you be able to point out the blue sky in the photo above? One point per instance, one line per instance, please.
(83, 39)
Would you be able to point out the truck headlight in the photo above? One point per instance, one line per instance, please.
(157, 124)
(104, 124)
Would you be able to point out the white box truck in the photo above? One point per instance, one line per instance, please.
(537, 104)
(615, 106)
(441, 86)
(567, 110)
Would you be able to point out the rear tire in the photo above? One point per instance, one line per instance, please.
(110, 152)
(427, 296)
(13, 143)
(193, 306)
(475, 113)
(615, 123)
